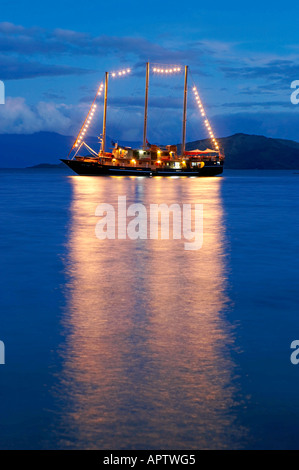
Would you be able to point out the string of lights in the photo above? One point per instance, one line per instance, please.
(167, 70)
(206, 121)
(92, 109)
(120, 73)
(88, 119)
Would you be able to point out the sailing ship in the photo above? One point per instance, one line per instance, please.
(148, 160)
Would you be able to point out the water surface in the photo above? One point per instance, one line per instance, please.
(123, 344)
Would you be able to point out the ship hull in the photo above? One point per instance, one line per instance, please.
(96, 169)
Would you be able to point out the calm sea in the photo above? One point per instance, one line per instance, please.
(140, 344)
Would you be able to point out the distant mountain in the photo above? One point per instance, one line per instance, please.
(26, 150)
(246, 152)
(23, 150)
(49, 166)
(242, 151)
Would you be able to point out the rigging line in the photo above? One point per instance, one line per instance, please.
(78, 149)
(90, 149)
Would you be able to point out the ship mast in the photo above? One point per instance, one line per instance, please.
(105, 114)
(185, 111)
(145, 105)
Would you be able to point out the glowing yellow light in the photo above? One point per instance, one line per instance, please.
(128, 70)
(159, 161)
(154, 69)
(133, 161)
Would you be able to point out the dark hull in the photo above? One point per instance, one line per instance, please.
(95, 169)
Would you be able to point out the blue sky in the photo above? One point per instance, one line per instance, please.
(242, 57)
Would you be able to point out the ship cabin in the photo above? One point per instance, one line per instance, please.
(198, 158)
(151, 156)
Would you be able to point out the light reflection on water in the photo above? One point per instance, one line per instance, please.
(146, 356)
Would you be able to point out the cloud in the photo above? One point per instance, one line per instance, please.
(10, 28)
(258, 104)
(18, 42)
(158, 102)
(12, 68)
(267, 89)
(52, 95)
(282, 69)
(17, 117)
(228, 74)
(126, 123)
